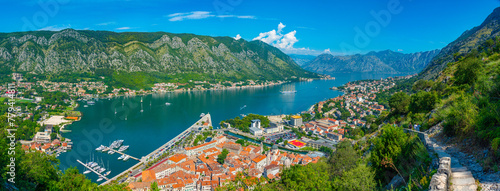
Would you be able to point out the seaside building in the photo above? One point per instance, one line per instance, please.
(256, 131)
(296, 120)
(198, 149)
(274, 128)
(256, 123)
(320, 143)
(42, 137)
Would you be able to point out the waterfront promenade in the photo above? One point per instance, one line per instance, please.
(148, 157)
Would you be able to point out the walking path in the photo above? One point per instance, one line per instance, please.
(463, 171)
(451, 174)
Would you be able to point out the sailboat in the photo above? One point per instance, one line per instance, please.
(107, 173)
(88, 170)
(99, 179)
(289, 89)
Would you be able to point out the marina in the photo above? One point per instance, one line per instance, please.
(203, 117)
(93, 170)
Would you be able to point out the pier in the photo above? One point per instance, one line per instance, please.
(164, 146)
(88, 167)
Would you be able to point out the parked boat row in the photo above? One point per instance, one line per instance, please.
(97, 167)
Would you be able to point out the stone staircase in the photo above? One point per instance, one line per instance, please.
(451, 174)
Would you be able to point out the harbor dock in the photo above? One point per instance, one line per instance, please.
(146, 158)
(88, 167)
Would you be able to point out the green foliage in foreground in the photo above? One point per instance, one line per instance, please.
(344, 170)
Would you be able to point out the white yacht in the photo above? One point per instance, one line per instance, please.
(126, 158)
(123, 148)
(87, 171)
(99, 179)
(100, 148)
(121, 157)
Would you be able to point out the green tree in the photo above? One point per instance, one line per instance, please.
(154, 186)
(423, 101)
(387, 147)
(359, 178)
(344, 159)
(400, 102)
(222, 156)
(468, 71)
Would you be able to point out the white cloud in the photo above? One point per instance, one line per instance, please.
(269, 37)
(55, 28)
(194, 15)
(400, 50)
(123, 28)
(106, 23)
(280, 27)
(286, 42)
(238, 37)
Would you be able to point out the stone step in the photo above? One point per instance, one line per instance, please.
(461, 175)
(463, 180)
(459, 169)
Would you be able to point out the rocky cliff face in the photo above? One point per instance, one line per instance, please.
(387, 62)
(85, 51)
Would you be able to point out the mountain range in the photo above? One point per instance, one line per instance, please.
(469, 41)
(84, 51)
(383, 62)
(301, 59)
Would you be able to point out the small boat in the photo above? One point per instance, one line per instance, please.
(202, 115)
(123, 148)
(90, 102)
(87, 171)
(121, 157)
(126, 158)
(111, 152)
(243, 107)
(99, 179)
(115, 110)
(85, 106)
(107, 173)
(101, 170)
(168, 103)
(100, 148)
(141, 99)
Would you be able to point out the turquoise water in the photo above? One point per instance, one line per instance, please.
(158, 123)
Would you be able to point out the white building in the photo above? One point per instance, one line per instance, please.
(274, 128)
(256, 131)
(256, 123)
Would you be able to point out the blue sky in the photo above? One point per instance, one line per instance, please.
(301, 27)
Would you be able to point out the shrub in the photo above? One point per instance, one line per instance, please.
(460, 117)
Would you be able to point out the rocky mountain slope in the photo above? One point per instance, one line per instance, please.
(72, 51)
(467, 42)
(387, 62)
(301, 59)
